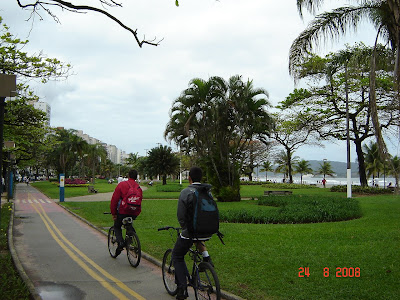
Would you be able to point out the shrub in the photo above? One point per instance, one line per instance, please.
(357, 189)
(288, 186)
(75, 181)
(297, 209)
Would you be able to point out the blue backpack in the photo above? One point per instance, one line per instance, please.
(205, 219)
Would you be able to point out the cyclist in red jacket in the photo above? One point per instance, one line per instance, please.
(118, 211)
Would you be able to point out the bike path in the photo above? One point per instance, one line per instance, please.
(65, 258)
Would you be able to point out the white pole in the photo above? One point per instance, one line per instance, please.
(348, 183)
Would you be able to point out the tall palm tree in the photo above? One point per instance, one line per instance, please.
(96, 154)
(303, 167)
(325, 168)
(384, 14)
(396, 169)
(374, 163)
(285, 161)
(267, 167)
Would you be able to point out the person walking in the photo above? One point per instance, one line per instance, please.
(122, 205)
(186, 238)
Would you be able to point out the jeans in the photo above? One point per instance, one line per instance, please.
(181, 247)
(118, 225)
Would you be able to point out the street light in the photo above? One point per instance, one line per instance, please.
(8, 87)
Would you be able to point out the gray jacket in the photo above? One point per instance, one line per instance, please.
(185, 208)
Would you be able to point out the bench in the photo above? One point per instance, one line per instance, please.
(267, 193)
(91, 189)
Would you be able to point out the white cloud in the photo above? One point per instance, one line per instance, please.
(122, 94)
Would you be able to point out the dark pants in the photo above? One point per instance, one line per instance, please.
(182, 247)
(118, 225)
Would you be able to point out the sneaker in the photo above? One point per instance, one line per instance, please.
(181, 294)
(119, 249)
(208, 260)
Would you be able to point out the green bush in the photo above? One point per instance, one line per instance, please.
(288, 186)
(357, 189)
(169, 188)
(228, 194)
(296, 209)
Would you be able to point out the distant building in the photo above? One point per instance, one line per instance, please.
(44, 107)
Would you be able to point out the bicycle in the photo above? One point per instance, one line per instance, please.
(203, 279)
(131, 241)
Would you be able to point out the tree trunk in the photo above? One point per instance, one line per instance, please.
(361, 164)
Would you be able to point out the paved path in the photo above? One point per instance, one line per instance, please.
(65, 258)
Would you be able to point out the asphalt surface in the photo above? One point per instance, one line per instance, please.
(60, 256)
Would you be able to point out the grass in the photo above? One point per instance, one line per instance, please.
(11, 285)
(262, 261)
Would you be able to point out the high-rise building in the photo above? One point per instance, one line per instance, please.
(45, 107)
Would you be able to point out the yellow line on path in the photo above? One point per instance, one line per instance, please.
(82, 264)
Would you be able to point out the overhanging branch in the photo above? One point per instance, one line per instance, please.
(77, 8)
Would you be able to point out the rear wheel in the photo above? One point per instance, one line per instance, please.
(133, 249)
(206, 283)
(112, 242)
(168, 273)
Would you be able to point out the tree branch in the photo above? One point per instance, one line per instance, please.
(77, 8)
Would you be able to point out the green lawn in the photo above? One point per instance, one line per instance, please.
(262, 261)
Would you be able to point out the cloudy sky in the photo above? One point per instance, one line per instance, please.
(122, 94)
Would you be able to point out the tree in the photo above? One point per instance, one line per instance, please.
(325, 168)
(291, 132)
(267, 167)
(303, 167)
(256, 153)
(285, 161)
(48, 5)
(396, 170)
(374, 164)
(385, 15)
(217, 120)
(96, 154)
(161, 161)
(339, 78)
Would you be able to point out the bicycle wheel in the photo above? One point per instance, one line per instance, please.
(133, 249)
(206, 283)
(112, 242)
(168, 273)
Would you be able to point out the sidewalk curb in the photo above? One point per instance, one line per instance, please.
(16, 260)
(226, 295)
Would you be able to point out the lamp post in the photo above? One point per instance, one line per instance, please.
(8, 87)
(348, 137)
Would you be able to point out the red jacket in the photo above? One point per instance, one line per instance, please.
(120, 191)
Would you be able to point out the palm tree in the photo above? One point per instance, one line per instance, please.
(396, 170)
(96, 154)
(217, 119)
(267, 167)
(384, 14)
(285, 161)
(303, 167)
(326, 169)
(161, 161)
(374, 164)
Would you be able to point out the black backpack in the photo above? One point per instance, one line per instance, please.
(205, 215)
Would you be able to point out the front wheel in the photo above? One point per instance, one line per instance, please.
(168, 273)
(112, 242)
(133, 249)
(206, 283)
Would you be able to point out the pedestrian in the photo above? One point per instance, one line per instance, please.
(122, 205)
(186, 239)
(324, 182)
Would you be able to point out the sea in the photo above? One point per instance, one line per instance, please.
(330, 181)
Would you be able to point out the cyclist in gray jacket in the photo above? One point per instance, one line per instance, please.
(185, 240)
